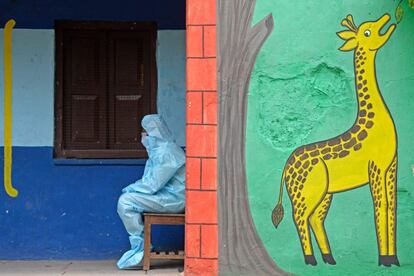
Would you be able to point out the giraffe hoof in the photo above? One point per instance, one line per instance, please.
(388, 261)
(328, 259)
(310, 259)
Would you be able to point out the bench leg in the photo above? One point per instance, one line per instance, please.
(147, 245)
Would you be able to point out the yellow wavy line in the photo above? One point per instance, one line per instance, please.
(8, 28)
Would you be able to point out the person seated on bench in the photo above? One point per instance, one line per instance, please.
(161, 189)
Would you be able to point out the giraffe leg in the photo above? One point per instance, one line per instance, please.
(379, 196)
(391, 178)
(306, 189)
(317, 220)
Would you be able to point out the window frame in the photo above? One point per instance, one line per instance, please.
(59, 151)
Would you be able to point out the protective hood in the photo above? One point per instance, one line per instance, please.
(155, 127)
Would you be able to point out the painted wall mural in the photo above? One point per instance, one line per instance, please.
(339, 194)
(8, 28)
(317, 171)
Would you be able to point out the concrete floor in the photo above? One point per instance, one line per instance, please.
(84, 268)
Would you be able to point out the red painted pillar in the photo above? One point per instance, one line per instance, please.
(201, 191)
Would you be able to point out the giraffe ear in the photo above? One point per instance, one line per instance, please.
(349, 45)
(345, 35)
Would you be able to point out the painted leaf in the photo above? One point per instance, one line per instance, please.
(399, 13)
(411, 4)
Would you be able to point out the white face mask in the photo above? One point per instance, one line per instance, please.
(144, 139)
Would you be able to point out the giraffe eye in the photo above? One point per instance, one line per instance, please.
(367, 33)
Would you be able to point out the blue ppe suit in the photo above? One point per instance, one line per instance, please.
(161, 189)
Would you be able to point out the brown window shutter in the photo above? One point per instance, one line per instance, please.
(129, 87)
(84, 112)
(105, 84)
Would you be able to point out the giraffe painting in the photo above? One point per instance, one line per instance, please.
(365, 154)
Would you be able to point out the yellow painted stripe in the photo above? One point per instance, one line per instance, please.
(8, 109)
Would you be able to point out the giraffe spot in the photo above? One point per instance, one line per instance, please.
(359, 86)
(304, 180)
(291, 170)
(362, 63)
(304, 156)
(321, 144)
(361, 121)
(299, 178)
(361, 94)
(357, 146)
(362, 71)
(287, 178)
(297, 164)
(294, 175)
(371, 115)
(358, 53)
(350, 143)
(314, 162)
(360, 57)
(362, 113)
(310, 147)
(343, 153)
(311, 168)
(375, 167)
(291, 160)
(379, 171)
(363, 53)
(300, 171)
(300, 150)
(362, 135)
(355, 128)
(364, 82)
(305, 174)
(369, 106)
(369, 124)
(302, 199)
(306, 164)
(326, 150)
(327, 156)
(365, 89)
(298, 195)
(366, 97)
(334, 141)
(337, 148)
(359, 78)
(301, 187)
(346, 136)
(334, 155)
(357, 68)
(314, 153)
(363, 103)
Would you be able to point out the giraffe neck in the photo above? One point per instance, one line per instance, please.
(370, 101)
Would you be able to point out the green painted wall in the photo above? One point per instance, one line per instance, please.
(302, 91)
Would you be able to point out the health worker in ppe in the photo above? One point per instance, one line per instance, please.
(161, 189)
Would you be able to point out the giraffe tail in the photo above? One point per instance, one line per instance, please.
(277, 214)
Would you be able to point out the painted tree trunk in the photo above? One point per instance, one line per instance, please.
(241, 251)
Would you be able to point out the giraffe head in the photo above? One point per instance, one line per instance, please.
(367, 35)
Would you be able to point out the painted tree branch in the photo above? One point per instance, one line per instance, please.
(241, 251)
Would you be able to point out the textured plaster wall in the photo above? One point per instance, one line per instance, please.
(302, 91)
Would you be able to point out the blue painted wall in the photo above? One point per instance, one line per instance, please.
(40, 14)
(68, 210)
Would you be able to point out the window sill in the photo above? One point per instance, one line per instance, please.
(99, 162)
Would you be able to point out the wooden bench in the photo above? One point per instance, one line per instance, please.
(167, 219)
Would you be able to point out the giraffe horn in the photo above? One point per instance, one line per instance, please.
(346, 23)
(351, 21)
